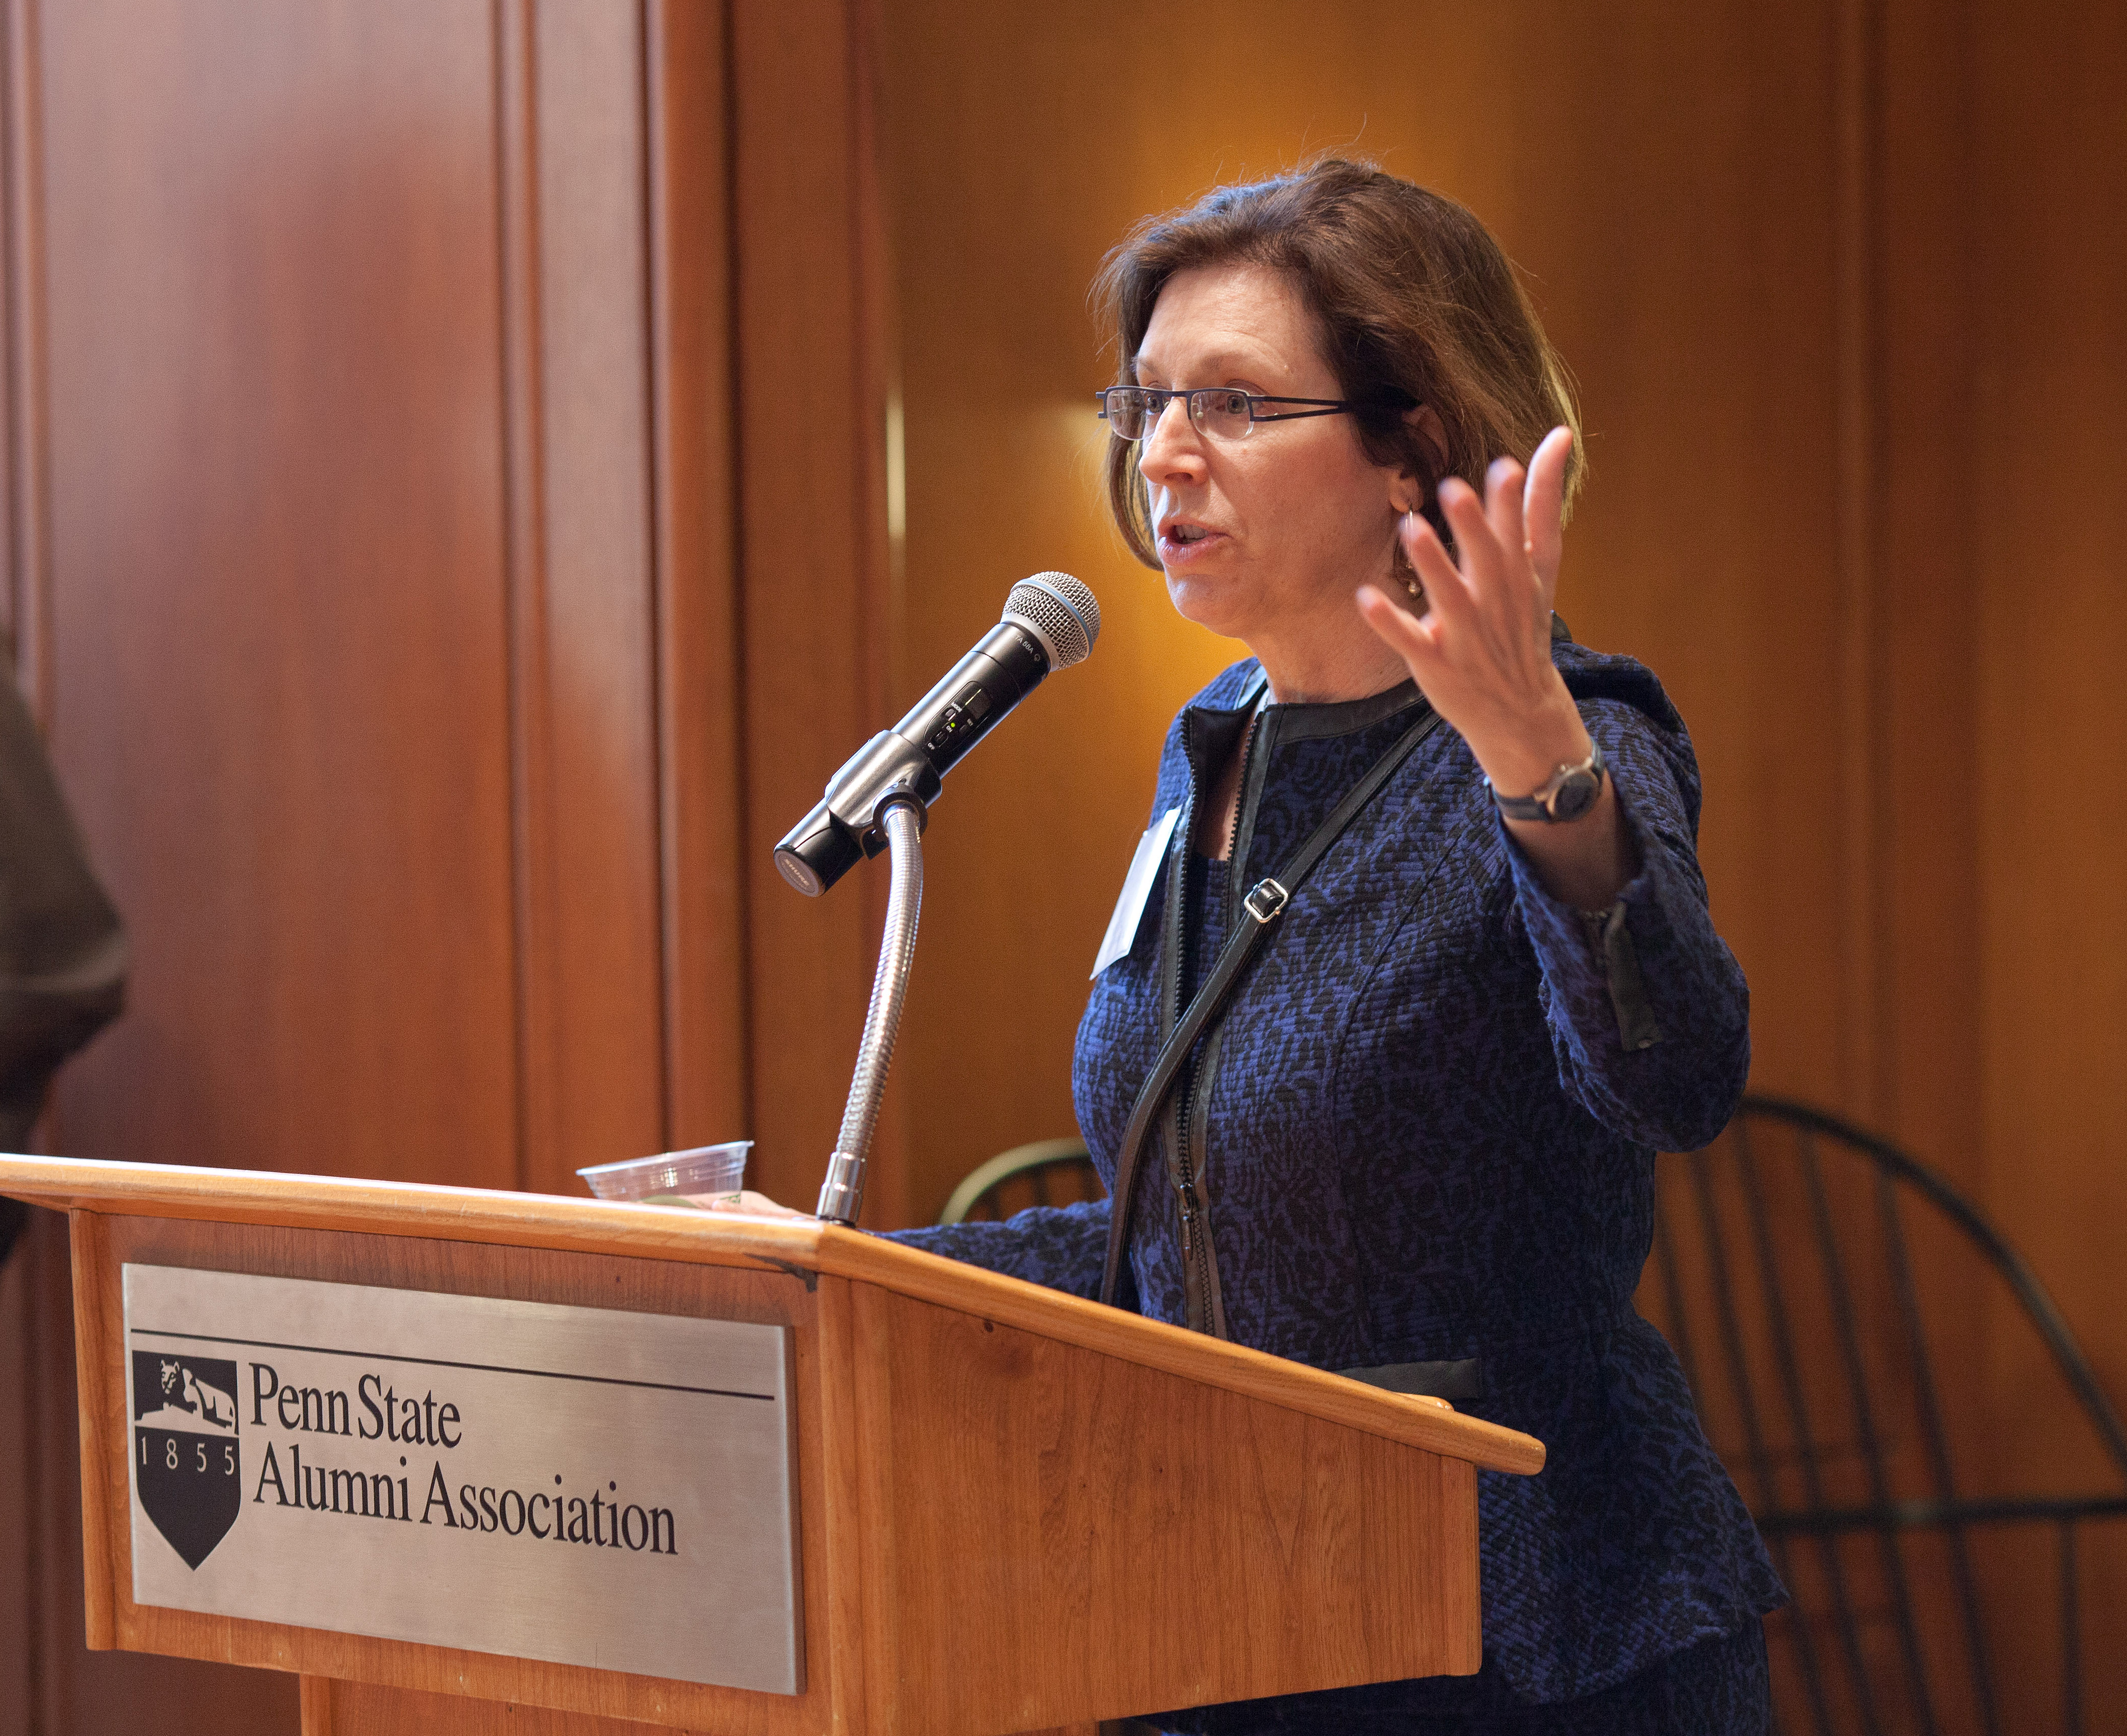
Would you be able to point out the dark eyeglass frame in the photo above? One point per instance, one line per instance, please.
(1157, 398)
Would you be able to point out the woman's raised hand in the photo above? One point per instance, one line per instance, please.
(1481, 654)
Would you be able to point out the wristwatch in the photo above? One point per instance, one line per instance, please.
(1567, 794)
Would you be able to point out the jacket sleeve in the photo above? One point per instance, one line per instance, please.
(1064, 1246)
(1648, 1010)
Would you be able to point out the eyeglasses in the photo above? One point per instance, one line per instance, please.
(1132, 412)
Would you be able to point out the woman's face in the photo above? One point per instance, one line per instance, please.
(1267, 538)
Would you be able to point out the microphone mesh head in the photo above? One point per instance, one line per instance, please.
(1059, 611)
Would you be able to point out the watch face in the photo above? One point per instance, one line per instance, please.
(1575, 795)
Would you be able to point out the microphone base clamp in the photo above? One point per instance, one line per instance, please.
(848, 823)
(841, 1194)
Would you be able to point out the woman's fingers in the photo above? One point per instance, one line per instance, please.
(1409, 637)
(1446, 590)
(1474, 545)
(1489, 569)
(1503, 508)
(1543, 509)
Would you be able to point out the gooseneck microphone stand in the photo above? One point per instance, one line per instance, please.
(841, 1194)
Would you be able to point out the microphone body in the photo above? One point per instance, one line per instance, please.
(1050, 622)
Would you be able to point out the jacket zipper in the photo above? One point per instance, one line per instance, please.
(1195, 1229)
(1240, 796)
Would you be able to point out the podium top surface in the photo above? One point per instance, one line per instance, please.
(803, 1248)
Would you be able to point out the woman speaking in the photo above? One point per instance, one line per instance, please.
(1407, 1132)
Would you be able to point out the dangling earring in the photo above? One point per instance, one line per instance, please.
(1403, 570)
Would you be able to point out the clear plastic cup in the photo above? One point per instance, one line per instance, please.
(707, 1175)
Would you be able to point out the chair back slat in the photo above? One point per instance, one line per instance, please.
(2071, 1609)
(1892, 1556)
(1830, 1560)
(1935, 1436)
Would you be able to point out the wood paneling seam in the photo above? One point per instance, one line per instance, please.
(1869, 1049)
(28, 424)
(740, 770)
(532, 828)
(700, 763)
(664, 676)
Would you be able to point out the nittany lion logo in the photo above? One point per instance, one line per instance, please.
(184, 1449)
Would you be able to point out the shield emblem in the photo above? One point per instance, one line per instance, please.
(185, 1463)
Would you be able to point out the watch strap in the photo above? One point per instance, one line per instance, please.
(1541, 804)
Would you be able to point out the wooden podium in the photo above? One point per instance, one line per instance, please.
(1014, 1510)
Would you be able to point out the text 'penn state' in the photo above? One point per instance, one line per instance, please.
(378, 1411)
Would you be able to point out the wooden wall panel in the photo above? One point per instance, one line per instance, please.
(383, 779)
(2048, 524)
(2047, 521)
(278, 666)
(1927, 234)
(596, 657)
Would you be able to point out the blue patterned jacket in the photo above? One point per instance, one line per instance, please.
(1428, 1135)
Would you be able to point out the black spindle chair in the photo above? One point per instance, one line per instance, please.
(1047, 1172)
(1808, 1274)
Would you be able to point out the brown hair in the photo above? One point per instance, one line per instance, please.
(1413, 301)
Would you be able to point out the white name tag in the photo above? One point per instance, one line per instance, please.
(1137, 887)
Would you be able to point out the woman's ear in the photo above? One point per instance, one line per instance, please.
(1433, 434)
(1418, 490)
(1416, 483)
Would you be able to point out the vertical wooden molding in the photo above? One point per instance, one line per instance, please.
(29, 562)
(94, 1333)
(531, 722)
(1928, 590)
(844, 1517)
(871, 1409)
(701, 768)
(1867, 1046)
(47, 1314)
(812, 556)
(870, 342)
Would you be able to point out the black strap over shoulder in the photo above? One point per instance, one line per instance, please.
(1265, 905)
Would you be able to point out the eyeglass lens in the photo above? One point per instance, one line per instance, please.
(1217, 411)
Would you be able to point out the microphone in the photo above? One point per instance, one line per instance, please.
(1051, 622)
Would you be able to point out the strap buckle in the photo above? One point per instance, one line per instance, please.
(1266, 898)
